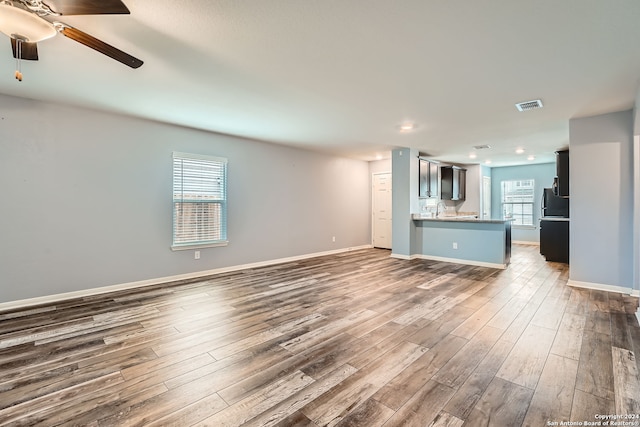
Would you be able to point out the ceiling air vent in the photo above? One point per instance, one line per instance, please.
(481, 147)
(529, 105)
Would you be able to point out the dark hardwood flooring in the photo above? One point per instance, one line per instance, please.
(356, 339)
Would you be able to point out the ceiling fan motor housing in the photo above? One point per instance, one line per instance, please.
(26, 22)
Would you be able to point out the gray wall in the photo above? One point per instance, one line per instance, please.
(601, 186)
(636, 198)
(543, 175)
(87, 200)
(636, 216)
(404, 200)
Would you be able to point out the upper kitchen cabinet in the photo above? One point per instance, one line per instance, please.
(428, 178)
(561, 186)
(453, 183)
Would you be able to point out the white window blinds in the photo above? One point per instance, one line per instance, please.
(517, 201)
(199, 201)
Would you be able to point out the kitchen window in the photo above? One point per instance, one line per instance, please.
(199, 201)
(517, 201)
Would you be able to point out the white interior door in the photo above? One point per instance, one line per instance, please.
(486, 197)
(381, 190)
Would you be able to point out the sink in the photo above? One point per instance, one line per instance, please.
(423, 215)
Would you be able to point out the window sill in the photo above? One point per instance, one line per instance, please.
(199, 246)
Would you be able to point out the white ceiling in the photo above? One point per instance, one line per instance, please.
(340, 75)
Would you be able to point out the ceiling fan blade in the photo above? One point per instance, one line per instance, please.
(28, 50)
(100, 46)
(87, 7)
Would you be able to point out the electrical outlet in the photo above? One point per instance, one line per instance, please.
(455, 245)
(196, 255)
(333, 238)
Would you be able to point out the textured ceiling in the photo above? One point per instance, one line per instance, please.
(341, 75)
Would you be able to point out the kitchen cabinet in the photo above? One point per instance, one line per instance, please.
(554, 239)
(453, 183)
(561, 185)
(428, 179)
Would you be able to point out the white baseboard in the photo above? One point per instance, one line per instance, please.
(525, 242)
(607, 288)
(400, 256)
(452, 260)
(49, 299)
(602, 287)
(462, 261)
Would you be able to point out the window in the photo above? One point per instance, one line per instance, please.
(517, 201)
(199, 201)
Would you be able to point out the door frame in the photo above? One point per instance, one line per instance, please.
(483, 197)
(371, 218)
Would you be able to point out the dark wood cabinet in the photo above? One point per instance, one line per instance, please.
(428, 179)
(453, 183)
(554, 239)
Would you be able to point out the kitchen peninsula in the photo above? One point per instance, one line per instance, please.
(443, 237)
(466, 240)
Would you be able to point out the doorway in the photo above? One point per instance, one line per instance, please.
(486, 197)
(381, 210)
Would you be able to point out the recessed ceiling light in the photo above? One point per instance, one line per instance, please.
(519, 150)
(407, 127)
(531, 158)
(487, 162)
(473, 155)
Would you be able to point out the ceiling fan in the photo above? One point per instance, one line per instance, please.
(28, 22)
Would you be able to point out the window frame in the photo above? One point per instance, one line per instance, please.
(199, 199)
(522, 215)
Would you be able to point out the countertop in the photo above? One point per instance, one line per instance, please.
(465, 218)
(554, 218)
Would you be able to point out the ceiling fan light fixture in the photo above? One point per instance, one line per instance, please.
(18, 23)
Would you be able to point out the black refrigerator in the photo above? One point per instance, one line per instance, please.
(553, 205)
(554, 227)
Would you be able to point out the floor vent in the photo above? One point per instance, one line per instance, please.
(529, 105)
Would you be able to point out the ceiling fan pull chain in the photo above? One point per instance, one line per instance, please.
(19, 60)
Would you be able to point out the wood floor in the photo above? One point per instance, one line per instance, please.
(356, 339)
